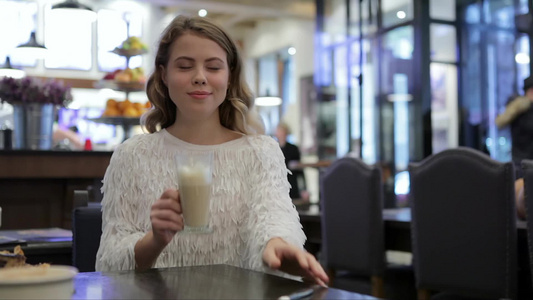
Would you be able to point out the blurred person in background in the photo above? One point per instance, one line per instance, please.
(519, 115)
(292, 158)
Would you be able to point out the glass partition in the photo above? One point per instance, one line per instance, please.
(397, 102)
(444, 111)
(442, 10)
(369, 11)
(443, 43)
(396, 116)
(335, 22)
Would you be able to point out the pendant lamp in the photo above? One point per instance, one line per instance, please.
(268, 100)
(7, 70)
(32, 48)
(74, 10)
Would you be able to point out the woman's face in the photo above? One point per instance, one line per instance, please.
(197, 77)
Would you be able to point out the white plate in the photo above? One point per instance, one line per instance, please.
(56, 282)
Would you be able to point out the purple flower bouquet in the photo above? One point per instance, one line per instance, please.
(30, 90)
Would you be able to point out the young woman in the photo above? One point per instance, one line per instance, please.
(201, 103)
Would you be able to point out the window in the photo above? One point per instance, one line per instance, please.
(442, 10)
(124, 24)
(443, 43)
(335, 20)
(69, 47)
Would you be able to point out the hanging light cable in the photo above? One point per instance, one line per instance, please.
(74, 10)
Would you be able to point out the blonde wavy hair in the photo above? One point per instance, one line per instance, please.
(236, 112)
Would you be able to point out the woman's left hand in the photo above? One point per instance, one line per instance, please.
(280, 255)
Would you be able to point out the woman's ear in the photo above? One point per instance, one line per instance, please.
(163, 74)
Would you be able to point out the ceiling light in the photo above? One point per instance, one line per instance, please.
(401, 14)
(72, 9)
(32, 48)
(7, 70)
(268, 100)
(291, 51)
(202, 12)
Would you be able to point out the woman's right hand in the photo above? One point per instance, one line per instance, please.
(166, 217)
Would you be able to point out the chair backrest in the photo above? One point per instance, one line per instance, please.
(464, 224)
(81, 198)
(352, 222)
(86, 232)
(527, 172)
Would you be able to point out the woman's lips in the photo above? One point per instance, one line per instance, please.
(199, 95)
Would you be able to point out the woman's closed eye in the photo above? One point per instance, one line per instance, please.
(210, 68)
(213, 66)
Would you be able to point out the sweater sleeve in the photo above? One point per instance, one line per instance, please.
(272, 213)
(120, 225)
(513, 110)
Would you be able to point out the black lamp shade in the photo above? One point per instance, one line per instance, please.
(7, 64)
(8, 70)
(71, 4)
(32, 43)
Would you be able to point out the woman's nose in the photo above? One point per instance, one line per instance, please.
(199, 78)
(200, 81)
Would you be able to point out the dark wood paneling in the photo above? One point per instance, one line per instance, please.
(37, 188)
(42, 165)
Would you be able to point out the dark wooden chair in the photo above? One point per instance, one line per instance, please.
(527, 172)
(352, 224)
(463, 226)
(86, 231)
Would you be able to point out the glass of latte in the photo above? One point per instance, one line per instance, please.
(195, 175)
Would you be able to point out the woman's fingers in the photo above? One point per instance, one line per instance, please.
(166, 214)
(165, 225)
(318, 272)
(303, 260)
(168, 203)
(271, 259)
(170, 193)
(309, 267)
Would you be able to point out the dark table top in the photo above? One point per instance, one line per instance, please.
(51, 245)
(31, 238)
(391, 216)
(200, 282)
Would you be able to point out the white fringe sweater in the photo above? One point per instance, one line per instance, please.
(250, 202)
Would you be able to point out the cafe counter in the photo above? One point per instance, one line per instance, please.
(37, 187)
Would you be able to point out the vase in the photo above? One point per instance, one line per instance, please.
(33, 128)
